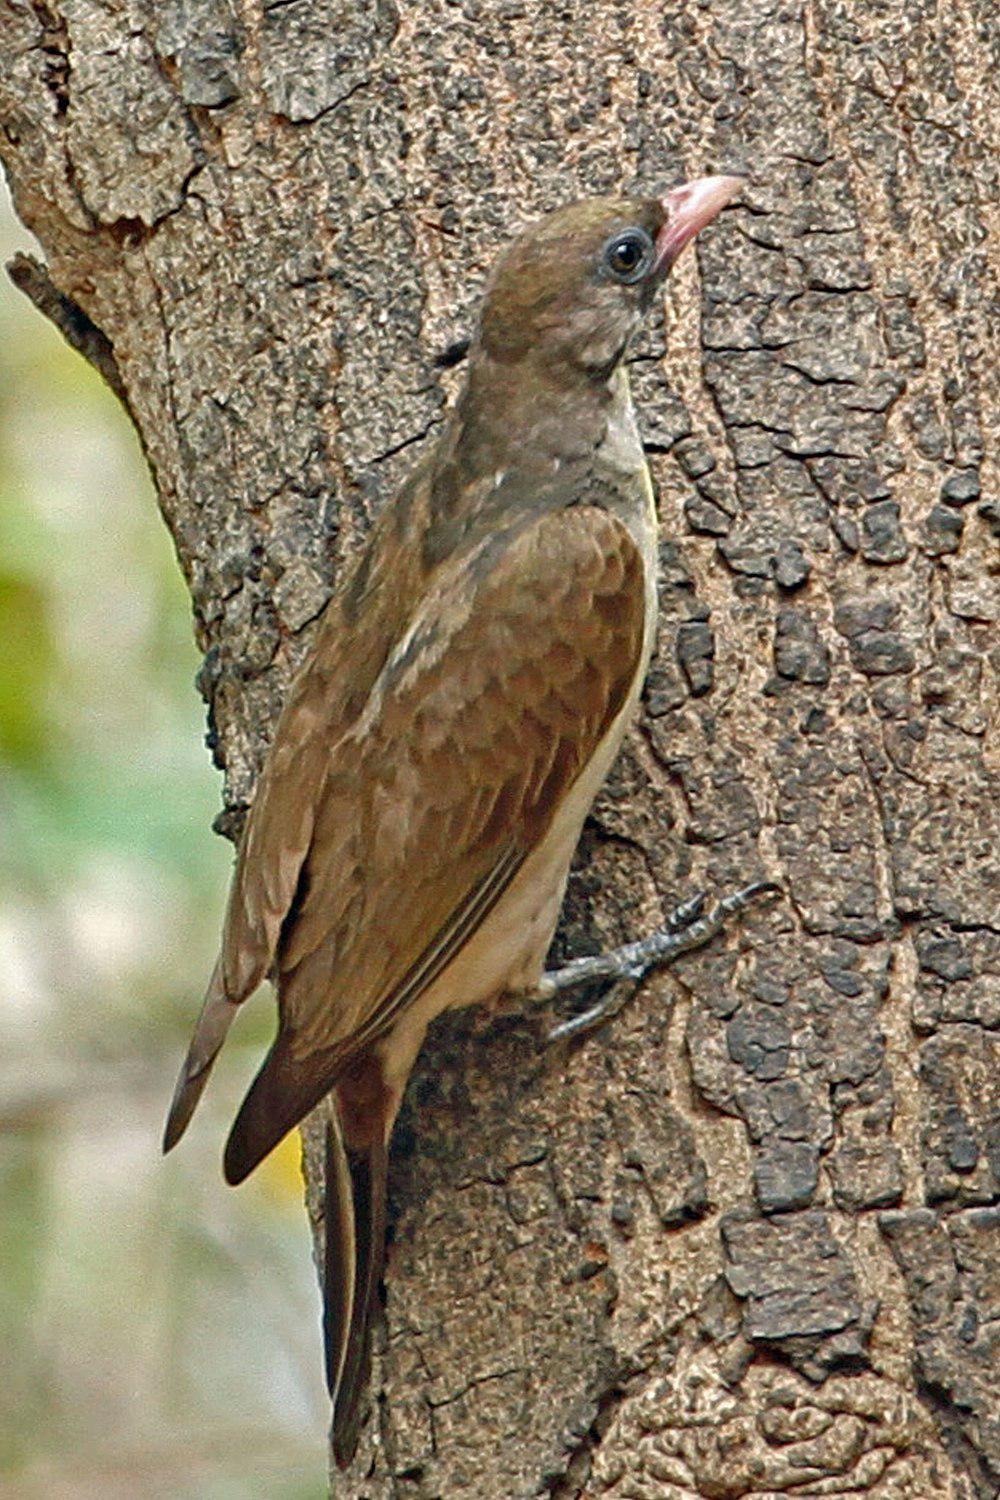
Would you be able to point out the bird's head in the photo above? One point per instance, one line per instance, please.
(572, 289)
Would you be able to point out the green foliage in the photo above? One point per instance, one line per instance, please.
(27, 664)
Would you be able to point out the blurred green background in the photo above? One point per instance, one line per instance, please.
(159, 1330)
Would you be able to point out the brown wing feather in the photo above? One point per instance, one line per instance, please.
(328, 695)
(288, 1086)
(479, 724)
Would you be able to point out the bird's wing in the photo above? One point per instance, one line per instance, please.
(355, 638)
(513, 670)
(326, 698)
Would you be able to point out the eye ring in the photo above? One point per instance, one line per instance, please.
(628, 255)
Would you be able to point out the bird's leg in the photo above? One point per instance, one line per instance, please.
(689, 926)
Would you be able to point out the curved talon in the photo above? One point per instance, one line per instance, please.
(749, 892)
(571, 1027)
(687, 913)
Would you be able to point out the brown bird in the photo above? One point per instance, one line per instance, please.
(413, 827)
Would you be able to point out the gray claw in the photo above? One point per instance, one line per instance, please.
(687, 912)
(688, 927)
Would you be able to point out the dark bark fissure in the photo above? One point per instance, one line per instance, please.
(30, 277)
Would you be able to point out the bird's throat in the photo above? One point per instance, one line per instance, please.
(525, 416)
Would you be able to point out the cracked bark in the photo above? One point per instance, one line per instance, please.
(737, 1244)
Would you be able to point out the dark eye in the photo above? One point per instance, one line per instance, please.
(628, 255)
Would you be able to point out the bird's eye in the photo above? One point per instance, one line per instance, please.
(628, 255)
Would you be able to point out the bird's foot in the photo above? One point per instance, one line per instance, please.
(688, 926)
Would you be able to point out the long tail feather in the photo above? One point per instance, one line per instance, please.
(354, 1258)
(339, 1254)
(282, 1094)
(209, 1034)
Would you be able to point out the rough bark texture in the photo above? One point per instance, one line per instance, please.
(738, 1243)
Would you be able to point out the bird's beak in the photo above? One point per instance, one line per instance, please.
(688, 209)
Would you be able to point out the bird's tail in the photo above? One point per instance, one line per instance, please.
(209, 1034)
(354, 1224)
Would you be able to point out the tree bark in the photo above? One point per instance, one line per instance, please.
(740, 1242)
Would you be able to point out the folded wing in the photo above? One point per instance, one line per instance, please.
(514, 668)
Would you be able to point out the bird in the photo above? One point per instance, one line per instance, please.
(409, 843)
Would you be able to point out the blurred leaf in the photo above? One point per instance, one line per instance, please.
(22, 1232)
(280, 1174)
(27, 663)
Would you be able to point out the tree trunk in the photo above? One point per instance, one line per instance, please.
(738, 1243)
